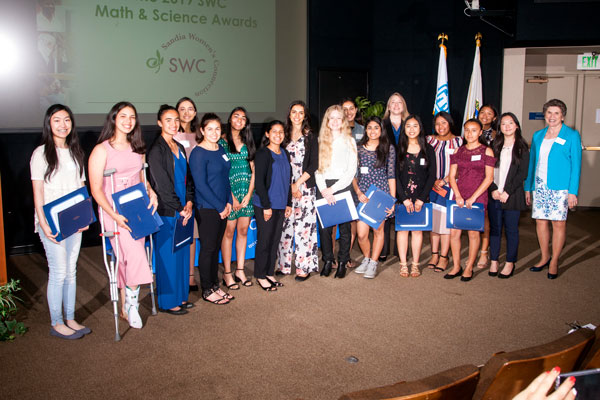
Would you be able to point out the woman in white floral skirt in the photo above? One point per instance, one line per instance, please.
(300, 229)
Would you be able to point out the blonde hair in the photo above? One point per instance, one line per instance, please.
(405, 112)
(326, 137)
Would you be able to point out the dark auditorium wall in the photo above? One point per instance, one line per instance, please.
(396, 42)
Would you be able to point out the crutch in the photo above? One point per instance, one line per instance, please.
(149, 253)
(112, 267)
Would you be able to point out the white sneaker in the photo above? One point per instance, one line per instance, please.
(362, 268)
(371, 270)
(132, 306)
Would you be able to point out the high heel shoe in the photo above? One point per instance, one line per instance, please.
(553, 276)
(490, 273)
(341, 270)
(541, 267)
(502, 276)
(452, 276)
(234, 285)
(246, 283)
(327, 268)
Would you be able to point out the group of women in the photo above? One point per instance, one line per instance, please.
(212, 175)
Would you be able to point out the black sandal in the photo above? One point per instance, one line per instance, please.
(430, 265)
(234, 285)
(270, 288)
(220, 301)
(275, 283)
(246, 283)
(440, 269)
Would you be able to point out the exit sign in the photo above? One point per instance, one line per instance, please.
(588, 61)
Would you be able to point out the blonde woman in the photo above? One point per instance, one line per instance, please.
(396, 113)
(337, 168)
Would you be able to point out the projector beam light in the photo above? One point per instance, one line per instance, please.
(9, 55)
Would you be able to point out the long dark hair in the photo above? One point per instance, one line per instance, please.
(206, 118)
(72, 142)
(383, 148)
(245, 135)
(481, 139)
(287, 127)
(403, 141)
(265, 140)
(520, 145)
(193, 122)
(134, 137)
(449, 120)
(495, 121)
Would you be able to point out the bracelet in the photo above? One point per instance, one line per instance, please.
(444, 180)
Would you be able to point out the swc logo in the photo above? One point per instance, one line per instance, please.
(187, 65)
(177, 64)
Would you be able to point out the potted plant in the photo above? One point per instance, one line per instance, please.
(9, 327)
(368, 109)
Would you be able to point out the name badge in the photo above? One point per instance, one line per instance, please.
(364, 170)
(560, 141)
(225, 157)
(476, 158)
(450, 151)
(422, 161)
(185, 143)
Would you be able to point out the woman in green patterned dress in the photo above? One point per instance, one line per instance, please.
(239, 147)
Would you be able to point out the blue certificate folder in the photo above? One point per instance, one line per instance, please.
(463, 218)
(373, 212)
(70, 213)
(414, 221)
(342, 211)
(133, 204)
(440, 197)
(183, 235)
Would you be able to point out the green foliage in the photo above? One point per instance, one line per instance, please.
(368, 109)
(9, 327)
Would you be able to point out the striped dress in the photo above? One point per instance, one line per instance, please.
(443, 150)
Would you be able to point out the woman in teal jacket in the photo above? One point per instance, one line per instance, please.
(553, 178)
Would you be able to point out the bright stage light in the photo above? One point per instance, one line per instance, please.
(9, 55)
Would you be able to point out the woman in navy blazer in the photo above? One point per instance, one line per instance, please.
(553, 177)
(507, 193)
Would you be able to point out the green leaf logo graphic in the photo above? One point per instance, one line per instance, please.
(155, 62)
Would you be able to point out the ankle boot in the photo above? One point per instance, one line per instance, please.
(326, 268)
(131, 306)
(341, 270)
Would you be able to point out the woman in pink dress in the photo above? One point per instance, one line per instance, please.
(471, 173)
(120, 146)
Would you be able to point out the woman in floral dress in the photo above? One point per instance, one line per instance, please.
(300, 229)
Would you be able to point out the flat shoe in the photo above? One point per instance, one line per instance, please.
(452, 276)
(301, 278)
(73, 336)
(181, 311)
(187, 305)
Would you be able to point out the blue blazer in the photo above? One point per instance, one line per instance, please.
(564, 161)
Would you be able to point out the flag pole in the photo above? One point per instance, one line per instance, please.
(442, 99)
(475, 93)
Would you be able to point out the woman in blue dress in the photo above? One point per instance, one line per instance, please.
(169, 177)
